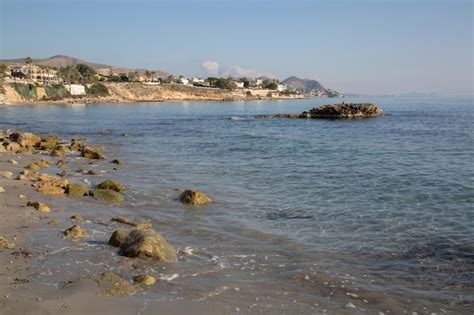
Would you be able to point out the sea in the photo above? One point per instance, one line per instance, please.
(366, 216)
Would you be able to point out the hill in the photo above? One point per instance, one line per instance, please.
(303, 85)
(59, 61)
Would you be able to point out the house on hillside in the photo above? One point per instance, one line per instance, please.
(75, 89)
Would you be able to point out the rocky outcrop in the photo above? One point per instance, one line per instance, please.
(138, 225)
(335, 111)
(25, 139)
(194, 197)
(145, 244)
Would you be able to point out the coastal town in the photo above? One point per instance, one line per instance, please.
(27, 80)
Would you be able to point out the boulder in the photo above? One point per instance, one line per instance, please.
(92, 153)
(53, 223)
(111, 184)
(58, 153)
(75, 146)
(5, 243)
(48, 142)
(110, 284)
(106, 195)
(39, 206)
(194, 197)
(13, 147)
(12, 161)
(145, 244)
(76, 190)
(75, 232)
(21, 177)
(25, 139)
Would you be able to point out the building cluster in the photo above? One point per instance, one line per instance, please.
(31, 73)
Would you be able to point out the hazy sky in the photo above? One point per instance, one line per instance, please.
(352, 46)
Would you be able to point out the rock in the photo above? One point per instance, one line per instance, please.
(118, 162)
(51, 185)
(58, 153)
(61, 164)
(75, 232)
(21, 177)
(92, 172)
(53, 223)
(92, 153)
(25, 139)
(124, 134)
(6, 174)
(351, 110)
(48, 142)
(142, 225)
(194, 197)
(38, 164)
(39, 206)
(79, 139)
(2, 190)
(80, 170)
(335, 111)
(144, 280)
(75, 146)
(5, 243)
(12, 161)
(145, 244)
(110, 284)
(21, 196)
(111, 184)
(2, 148)
(77, 217)
(13, 147)
(76, 190)
(106, 195)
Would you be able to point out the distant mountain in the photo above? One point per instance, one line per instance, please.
(303, 85)
(59, 61)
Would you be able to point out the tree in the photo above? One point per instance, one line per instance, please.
(133, 76)
(86, 72)
(3, 69)
(28, 60)
(269, 85)
(70, 74)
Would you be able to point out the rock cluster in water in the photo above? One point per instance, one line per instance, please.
(335, 111)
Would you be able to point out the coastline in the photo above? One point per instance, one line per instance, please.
(136, 92)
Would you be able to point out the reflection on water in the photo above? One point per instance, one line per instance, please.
(345, 216)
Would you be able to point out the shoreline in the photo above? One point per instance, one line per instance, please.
(138, 93)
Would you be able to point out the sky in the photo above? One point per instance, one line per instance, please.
(365, 46)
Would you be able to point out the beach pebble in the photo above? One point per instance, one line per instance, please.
(2, 190)
(22, 196)
(77, 217)
(21, 177)
(53, 223)
(6, 174)
(12, 161)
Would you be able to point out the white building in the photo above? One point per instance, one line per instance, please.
(75, 89)
(197, 80)
(281, 88)
(239, 84)
(183, 81)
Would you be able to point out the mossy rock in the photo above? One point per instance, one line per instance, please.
(107, 195)
(75, 232)
(112, 184)
(194, 197)
(111, 284)
(76, 190)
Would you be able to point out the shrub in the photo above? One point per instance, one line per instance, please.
(55, 92)
(97, 89)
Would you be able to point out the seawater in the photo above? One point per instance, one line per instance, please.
(307, 216)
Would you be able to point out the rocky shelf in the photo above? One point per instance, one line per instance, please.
(335, 111)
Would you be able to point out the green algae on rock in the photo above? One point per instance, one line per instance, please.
(106, 195)
(76, 190)
(111, 284)
(111, 184)
(92, 153)
(75, 232)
